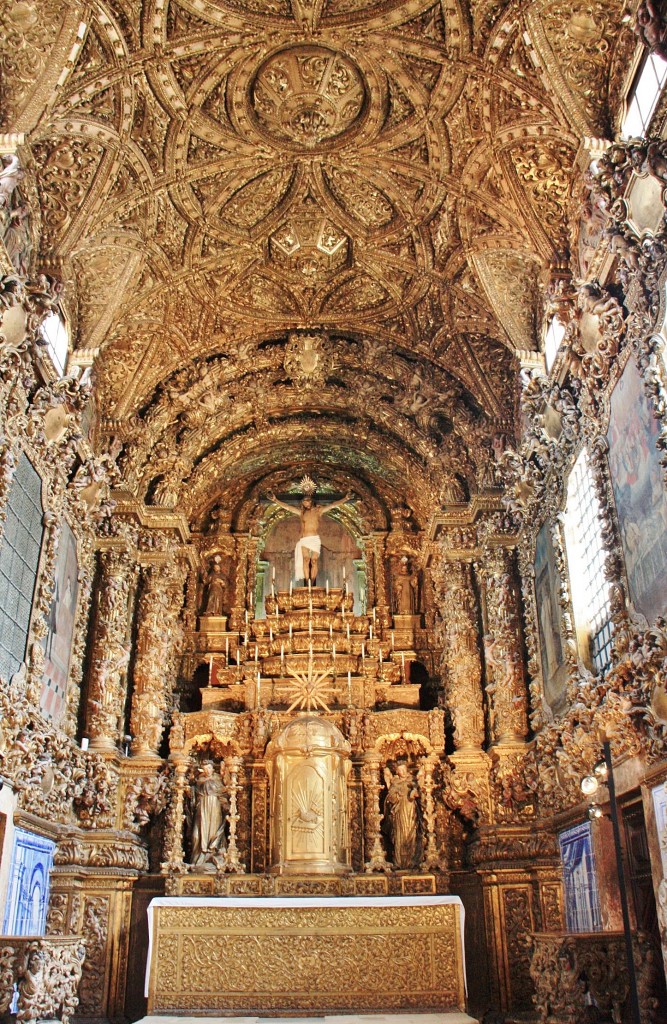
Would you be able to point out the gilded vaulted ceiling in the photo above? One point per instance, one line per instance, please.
(217, 178)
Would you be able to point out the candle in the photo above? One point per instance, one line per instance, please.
(277, 611)
(259, 689)
(227, 650)
(256, 654)
(210, 668)
(349, 687)
(273, 573)
(271, 633)
(310, 627)
(290, 630)
(334, 653)
(238, 657)
(374, 612)
(282, 653)
(363, 650)
(310, 583)
(344, 572)
(327, 586)
(330, 631)
(245, 638)
(380, 656)
(392, 639)
(290, 588)
(246, 616)
(84, 742)
(402, 663)
(371, 631)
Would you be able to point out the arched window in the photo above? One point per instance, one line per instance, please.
(553, 336)
(586, 557)
(55, 334)
(643, 96)
(19, 561)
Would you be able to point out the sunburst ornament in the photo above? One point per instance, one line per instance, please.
(308, 486)
(308, 690)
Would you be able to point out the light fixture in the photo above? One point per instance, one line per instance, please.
(594, 811)
(589, 785)
(600, 769)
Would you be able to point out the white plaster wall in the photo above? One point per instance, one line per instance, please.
(7, 807)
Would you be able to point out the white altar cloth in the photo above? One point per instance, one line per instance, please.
(300, 901)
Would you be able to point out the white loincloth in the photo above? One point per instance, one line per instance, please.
(312, 543)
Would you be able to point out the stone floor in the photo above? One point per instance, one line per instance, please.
(371, 1018)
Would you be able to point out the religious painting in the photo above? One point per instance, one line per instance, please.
(639, 492)
(554, 669)
(58, 642)
(660, 808)
(582, 899)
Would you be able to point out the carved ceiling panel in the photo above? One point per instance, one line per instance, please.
(216, 176)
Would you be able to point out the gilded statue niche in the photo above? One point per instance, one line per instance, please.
(308, 764)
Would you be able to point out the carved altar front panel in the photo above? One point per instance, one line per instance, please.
(279, 956)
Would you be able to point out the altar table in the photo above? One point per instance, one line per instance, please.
(304, 955)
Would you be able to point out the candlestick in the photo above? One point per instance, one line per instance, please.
(380, 656)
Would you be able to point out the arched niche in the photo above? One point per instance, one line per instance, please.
(340, 560)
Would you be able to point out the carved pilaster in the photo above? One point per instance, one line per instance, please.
(243, 545)
(111, 650)
(380, 576)
(174, 862)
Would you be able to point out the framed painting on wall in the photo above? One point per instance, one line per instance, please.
(61, 618)
(554, 669)
(639, 493)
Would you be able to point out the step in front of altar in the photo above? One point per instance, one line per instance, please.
(301, 956)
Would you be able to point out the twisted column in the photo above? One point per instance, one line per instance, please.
(461, 663)
(111, 651)
(506, 683)
(159, 637)
(174, 862)
(233, 765)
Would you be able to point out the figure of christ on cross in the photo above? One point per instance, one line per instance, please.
(309, 545)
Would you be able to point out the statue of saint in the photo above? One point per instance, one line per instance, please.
(309, 545)
(215, 590)
(209, 818)
(402, 813)
(405, 599)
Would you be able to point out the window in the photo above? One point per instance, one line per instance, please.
(643, 97)
(57, 341)
(586, 557)
(553, 337)
(19, 560)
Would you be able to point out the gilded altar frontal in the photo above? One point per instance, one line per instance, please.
(333, 509)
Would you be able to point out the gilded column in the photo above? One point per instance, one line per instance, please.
(173, 840)
(377, 860)
(243, 545)
(159, 637)
(461, 662)
(506, 683)
(111, 650)
(380, 576)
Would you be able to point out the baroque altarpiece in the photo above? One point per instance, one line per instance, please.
(307, 256)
